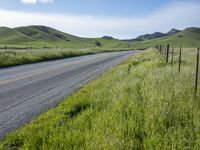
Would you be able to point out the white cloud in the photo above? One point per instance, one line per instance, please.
(175, 15)
(29, 1)
(35, 1)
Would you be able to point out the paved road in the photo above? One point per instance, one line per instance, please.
(27, 91)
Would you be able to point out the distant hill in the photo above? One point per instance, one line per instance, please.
(190, 37)
(151, 36)
(108, 37)
(42, 36)
(172, 31)
(154, 35)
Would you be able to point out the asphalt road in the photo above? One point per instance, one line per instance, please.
(29, 90)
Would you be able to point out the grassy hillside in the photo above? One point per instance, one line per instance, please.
(155, 35)
(41, 36)
(140, 104)
(151, 36)
(189, 37)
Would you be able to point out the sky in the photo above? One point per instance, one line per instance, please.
(123, 19)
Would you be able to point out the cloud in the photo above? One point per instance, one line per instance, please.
(174, 15)
(35, 1)
(29, 1)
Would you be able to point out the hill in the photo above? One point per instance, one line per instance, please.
(190, 37)
(42, 36)
(151, 36)
(154, 35)
(172, 31)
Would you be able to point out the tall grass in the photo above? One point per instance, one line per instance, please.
(18, 57)
(140, 104)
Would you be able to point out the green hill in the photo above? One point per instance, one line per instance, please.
(153, 36)
(42, 36)
(190, 37)
(150, 36)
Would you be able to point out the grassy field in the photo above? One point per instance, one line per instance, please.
(18, 57)
(140, 104)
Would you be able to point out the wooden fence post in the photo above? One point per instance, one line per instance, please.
(180, 55)
(160, 48)
(172, 61)
(167, 54)
(197, 73)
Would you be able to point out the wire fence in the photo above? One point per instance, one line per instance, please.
(165, 50)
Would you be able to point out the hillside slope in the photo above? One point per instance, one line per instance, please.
(190, 37)
(42, 36)
(154, 35)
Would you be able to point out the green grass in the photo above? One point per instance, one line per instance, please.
(140, 104)
(18, 57)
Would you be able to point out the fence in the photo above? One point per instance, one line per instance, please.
(166, 49)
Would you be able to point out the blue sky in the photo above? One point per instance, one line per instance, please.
(95, 18)
(89, 7)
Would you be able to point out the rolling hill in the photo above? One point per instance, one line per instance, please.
(190, 37)
(153, 36)
(42, 36)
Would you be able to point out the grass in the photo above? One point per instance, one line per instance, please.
(140, 104)
(19, 57)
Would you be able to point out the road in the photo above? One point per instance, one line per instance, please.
(29, 90)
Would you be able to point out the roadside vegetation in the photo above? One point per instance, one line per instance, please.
(140, 104)
(19, 57)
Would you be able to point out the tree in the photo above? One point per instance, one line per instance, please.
(97, 43)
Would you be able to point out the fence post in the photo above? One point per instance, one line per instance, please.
(167, 54)
(180, 55)
(160, 48)
(197, 73)
(172, 61)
